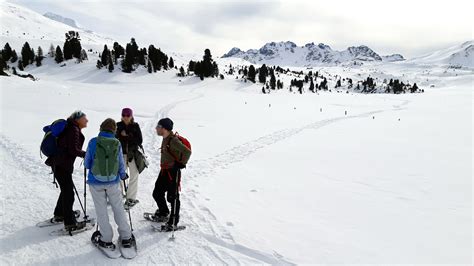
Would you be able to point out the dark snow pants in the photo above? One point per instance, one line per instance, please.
(66, 197)
(166, 183)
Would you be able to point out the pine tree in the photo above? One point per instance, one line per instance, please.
(118, 51)
(198, 69)
(84, 55)
(171, 63)
(311, 86)
(67, 50)
(58, 55)
(39, 56)
(111, 66)
(262, 74)
(52, 51)
(251, 73)
(14, 57)
(99, 64)
(207, 67)
(191, 66)
(150, 68)
(26, 55)
(7, 53)
(105, 57)
(272, 80)
(32, 55)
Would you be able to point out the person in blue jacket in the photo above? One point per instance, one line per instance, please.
(106, 170)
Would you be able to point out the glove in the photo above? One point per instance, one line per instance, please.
(178, 165)
(125, 177)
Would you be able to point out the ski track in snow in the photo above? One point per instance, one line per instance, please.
(204, 233)
(202, 217)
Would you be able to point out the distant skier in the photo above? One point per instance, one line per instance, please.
(130, 136)
(174, 156)
(70, 146)
(106, 169)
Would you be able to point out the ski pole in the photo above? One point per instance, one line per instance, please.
(85, 194)
(128, 210)
(175, 201)
(78, 198)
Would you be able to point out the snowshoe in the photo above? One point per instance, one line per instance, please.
(153, 217)
(56, 220)
(128, 248)
(167, 227)
(108, 249)
(74, 229)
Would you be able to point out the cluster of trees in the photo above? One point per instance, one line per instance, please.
(133, 57)
(397, 86)
(205, 68)
(72, 48)
(28, 56)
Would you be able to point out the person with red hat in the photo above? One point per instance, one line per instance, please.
(130, 136)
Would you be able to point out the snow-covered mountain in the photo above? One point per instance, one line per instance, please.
(457, 55)
(393, 58)
(20, 24)
(68, 21)
(288, 53)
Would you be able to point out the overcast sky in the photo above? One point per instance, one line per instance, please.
(409, 27)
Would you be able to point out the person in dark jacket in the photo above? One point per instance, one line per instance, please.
(130, 136)
(70, 146)
(170, 174)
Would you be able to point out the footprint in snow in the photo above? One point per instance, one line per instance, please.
(229, 224)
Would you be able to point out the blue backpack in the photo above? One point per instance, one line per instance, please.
(49, 145)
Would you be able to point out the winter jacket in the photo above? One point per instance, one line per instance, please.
(172, 150)
(132, 141)
(70, 146)
(89, 160)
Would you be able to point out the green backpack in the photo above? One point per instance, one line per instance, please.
(106, 164)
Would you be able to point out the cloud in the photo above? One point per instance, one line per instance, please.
(407, 27)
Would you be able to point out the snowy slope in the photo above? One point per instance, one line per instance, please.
(289, 54)
(20, 24)
(242, 202)
(457, 55)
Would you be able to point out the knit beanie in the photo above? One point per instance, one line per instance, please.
(166, 123)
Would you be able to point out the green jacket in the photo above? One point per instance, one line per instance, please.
(172, 149)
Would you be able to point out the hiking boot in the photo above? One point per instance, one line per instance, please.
(161, 217)
(57, 219)
(127, 243)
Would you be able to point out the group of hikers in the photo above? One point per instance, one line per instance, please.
(116, 149)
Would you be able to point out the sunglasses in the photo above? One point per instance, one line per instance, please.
(158, 127)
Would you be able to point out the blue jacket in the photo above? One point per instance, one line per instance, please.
(89, 160)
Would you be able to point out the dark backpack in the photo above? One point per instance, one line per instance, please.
(49, 144)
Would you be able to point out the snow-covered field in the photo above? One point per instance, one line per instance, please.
(280, 178)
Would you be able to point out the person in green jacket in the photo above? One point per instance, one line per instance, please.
(174, 157)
